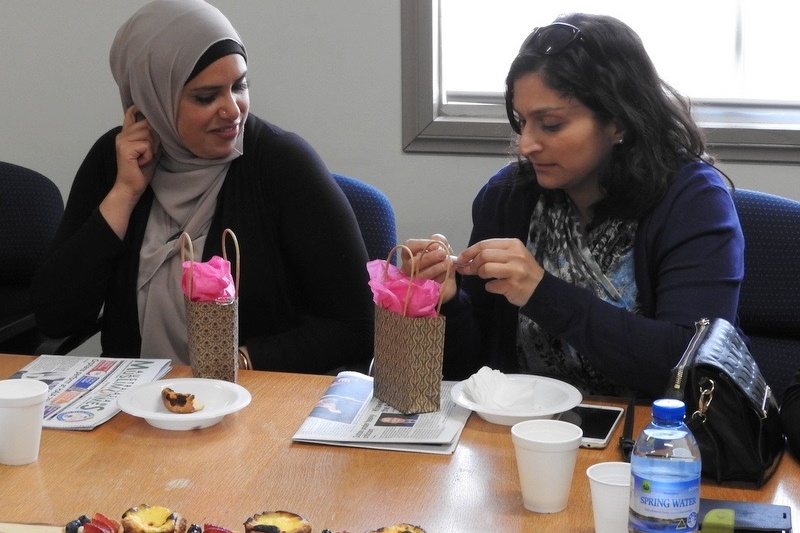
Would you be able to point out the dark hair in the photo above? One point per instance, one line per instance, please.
(609, 71)
(215, 51)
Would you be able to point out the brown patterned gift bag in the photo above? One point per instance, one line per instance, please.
(408, 349)
(212, 321)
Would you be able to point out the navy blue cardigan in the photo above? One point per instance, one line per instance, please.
(688, 261)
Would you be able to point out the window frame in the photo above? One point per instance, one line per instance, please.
(426, 129)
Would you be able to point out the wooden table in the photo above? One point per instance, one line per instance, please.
(247, 464)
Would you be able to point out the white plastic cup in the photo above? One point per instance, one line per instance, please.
(610, 485)
(546, 451)
(21, 416)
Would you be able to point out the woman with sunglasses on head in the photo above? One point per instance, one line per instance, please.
(190, 157)
(592, 256)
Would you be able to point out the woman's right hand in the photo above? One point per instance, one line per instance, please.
(137, 153)
(137, 148)
(433, 261)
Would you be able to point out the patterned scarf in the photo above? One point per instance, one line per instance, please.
(600, 260)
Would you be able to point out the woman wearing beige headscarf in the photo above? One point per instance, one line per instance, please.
(190, 157)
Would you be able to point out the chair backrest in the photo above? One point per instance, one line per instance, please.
(374, 214)
(31, 207)
(769, 303)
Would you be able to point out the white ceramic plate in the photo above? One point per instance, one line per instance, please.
(550, 398)
(220, 398)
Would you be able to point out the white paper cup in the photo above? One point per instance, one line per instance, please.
(21, 415)
(610, 485)
(546, 451)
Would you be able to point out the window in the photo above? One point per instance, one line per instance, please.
(731, 57)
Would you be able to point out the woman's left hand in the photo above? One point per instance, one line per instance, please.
(433, 261)
(507, 264)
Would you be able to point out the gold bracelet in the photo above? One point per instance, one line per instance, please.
(244, 360)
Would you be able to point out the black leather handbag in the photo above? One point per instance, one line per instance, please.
(735, 417)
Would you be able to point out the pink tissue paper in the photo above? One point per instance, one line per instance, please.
(390, 291)
(211, 281)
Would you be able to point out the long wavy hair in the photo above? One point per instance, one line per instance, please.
(609, 71)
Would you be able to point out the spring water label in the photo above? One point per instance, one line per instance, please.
(664, 506)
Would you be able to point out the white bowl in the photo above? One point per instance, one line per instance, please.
(219, 397)
(551, 397)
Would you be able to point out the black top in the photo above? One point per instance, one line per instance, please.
(304, 302)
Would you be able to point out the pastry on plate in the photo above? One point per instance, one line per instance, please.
(152, 519)
(179, 402)
(277, 522)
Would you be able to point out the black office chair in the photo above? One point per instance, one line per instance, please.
(376, 221)
(374, 214)
(31, 207)
(769, 304)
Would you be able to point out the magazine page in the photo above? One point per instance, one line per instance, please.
(83, 390)
(348, 414)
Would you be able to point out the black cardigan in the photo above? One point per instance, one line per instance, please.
(304, 302)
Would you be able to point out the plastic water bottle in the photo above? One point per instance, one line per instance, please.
(665, 474)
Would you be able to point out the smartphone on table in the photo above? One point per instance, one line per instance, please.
(598, 422)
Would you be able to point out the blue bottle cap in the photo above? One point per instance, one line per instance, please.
(669, 409)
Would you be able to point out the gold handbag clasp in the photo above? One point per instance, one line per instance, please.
(704, 401)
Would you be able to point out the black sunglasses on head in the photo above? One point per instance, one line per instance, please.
(552, 39)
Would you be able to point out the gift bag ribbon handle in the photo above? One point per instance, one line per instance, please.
(186, 242)
(413, 272)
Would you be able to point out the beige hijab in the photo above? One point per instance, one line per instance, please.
(151, 59)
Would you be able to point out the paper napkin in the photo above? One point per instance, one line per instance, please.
(493, 389)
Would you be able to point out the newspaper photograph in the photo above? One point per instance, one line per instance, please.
(83, 390)
(347, 414)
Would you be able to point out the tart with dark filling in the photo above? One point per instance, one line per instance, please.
(277, 522)
(399, 528)
(179, 402)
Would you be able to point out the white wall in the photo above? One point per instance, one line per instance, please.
(328, 70)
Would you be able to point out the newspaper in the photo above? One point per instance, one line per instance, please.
(348, 415)
(83, 390)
